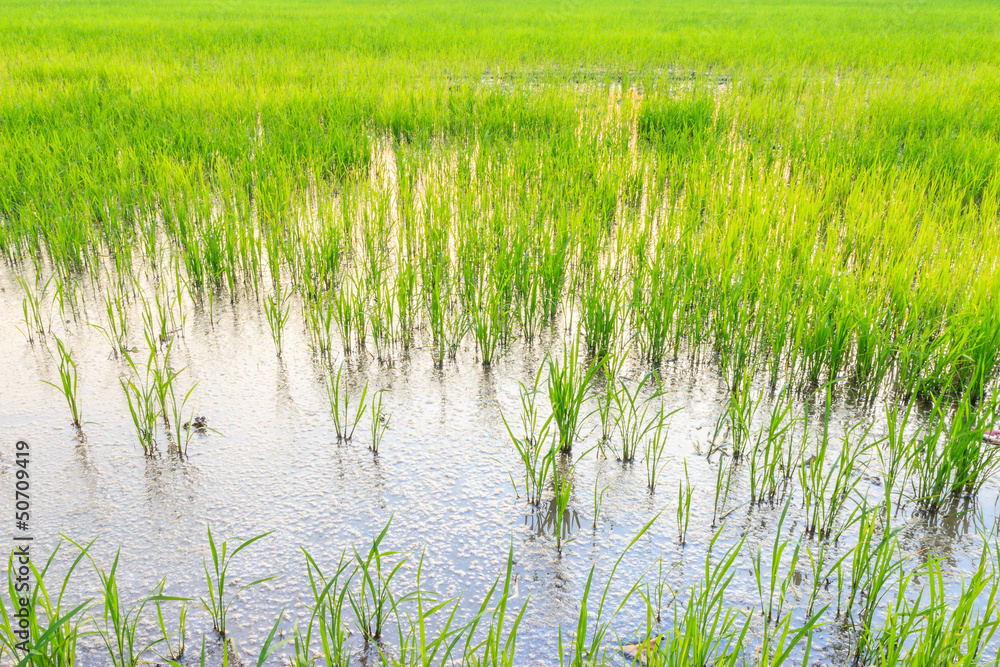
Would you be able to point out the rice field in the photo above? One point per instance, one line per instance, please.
(549, 333)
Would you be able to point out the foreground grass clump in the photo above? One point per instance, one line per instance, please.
(362, 592)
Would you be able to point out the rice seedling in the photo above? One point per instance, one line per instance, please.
(203, 661)
(777, 645)
(379, 420)
(768, 577)
(873, 359)
(276, 308)
(631, 409)
(657, 310)
(822, 571)
(381, 318)
(653, 596)
(421, 643)
(116, 332)
(605, 402)
(598, 500)
(771, 451)
(552, 260)
(178, 319)
(345, 419)
(684, 493)
(437, 296)
(645, 650)
(562, 487)
(45, 631)
(496, 649)
(607, 399)
(723, 484)
(825, 492)
(68, 385)
(567, 385)
(140, 395)
(586, 645)
(329, 594)
(373, 601)
(153, 335)
(705, 631)
(940, 630)
(875, 563)
(346, 314)
(318, 314)
(118, 626)
(456, 325)
(973, 458)
(160, 321)
(893, 452)
(489, 323)
(361, 319)
(173, 651)
(219, 600)
(654, 445)
(405, 294)
(301, 656)
(535, 448)
(528, 312)
(162, 383)
(601, 317)
(182, 432)
(532, 429)
(737, 417)
(733, 343)
(930, 470)
(31, 306)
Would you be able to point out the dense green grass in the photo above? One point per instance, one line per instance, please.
(864, 139)
(833, 35)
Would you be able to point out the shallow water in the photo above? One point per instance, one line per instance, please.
(272, 463)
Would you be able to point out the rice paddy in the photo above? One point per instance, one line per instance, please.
(575, 333)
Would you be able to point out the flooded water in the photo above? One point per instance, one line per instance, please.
(443, 475)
